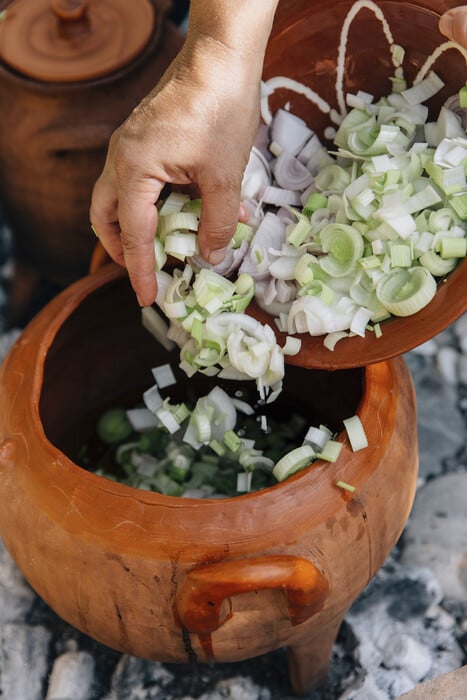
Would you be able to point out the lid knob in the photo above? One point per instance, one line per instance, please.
(69, 10)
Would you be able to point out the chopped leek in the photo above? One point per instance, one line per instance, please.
(356, 433)
(330, 451)
(336, 241)
(293, 461)
(206, 448)
(163, 375)
(453, 248)
(344, 245)
(232, 441)
(344, 485)
(403, 292)
(114, 426)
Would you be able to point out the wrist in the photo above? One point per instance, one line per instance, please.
(211, 65)
(241, 27)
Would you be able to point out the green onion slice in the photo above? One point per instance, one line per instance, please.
(344, 245)
(356, 433)
(293, 461)
(405, 291)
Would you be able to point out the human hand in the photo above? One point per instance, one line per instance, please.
(195, 128)
(453, 24)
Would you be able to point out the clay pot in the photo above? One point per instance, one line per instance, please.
(70, 73)
(179, 579)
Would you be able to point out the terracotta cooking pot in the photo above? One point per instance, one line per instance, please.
(178, 579)
(70, 73)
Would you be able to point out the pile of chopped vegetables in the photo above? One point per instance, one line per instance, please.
(220, 446)
(338, 240)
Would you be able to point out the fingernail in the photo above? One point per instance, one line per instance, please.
(139, 301)
(94, 231)
(445, 24)
(243, 214)
(216, 256)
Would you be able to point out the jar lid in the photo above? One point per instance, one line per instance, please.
(73, 40)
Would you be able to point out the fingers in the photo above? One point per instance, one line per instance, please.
(104, 218)
(243, 214)
(125, 224)
(137, 215)
(218, 222)
(453, 24)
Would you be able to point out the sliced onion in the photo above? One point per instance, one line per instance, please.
(310, 314)
(266, 297)
(257, 175)
(269, 234)
(284, 267)
(232, 261)
(279, 197)
(290, 173)
(289, 131)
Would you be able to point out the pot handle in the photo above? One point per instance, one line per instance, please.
(199, 598)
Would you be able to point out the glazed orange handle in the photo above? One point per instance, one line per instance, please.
(200, 596)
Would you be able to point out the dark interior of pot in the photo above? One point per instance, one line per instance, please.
(102, 357)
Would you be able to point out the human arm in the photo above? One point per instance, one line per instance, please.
(195, 128)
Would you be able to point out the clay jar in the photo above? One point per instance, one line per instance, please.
(178, 579)
(70, 73)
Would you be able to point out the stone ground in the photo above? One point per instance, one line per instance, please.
(409, 626)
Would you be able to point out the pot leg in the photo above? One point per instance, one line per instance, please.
(309, 661)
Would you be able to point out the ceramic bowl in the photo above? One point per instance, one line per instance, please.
(304, 46)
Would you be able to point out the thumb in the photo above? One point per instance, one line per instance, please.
(218, 223)
(453, 24)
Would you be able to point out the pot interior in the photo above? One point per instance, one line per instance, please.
(101, 357)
